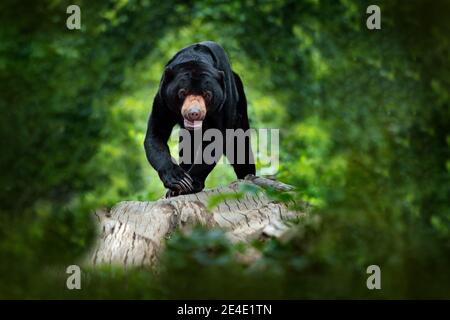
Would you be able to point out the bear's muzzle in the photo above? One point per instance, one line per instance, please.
(193, 111)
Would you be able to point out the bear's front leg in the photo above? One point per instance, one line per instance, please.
(197, 186)
(176, 179)
(198, 173)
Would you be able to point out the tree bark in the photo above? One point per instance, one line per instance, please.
(132, 233)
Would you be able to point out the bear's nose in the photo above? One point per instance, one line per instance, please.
(194, 113)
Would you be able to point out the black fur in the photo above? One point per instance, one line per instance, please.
(201, 66)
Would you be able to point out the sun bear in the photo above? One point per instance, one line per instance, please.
(198, 91)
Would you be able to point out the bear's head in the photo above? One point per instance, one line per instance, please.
(194, 90)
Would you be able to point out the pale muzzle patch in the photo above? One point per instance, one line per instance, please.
(193, 112)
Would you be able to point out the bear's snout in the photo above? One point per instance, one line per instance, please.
(193, 110)
(193, 113)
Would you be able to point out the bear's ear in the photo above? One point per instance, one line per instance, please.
(168, 74)
(221, 77)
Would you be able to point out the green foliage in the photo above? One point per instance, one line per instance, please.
(364, 118)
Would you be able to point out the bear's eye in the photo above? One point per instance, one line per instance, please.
(182, 93)
(207, 95)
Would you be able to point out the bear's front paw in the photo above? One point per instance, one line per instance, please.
(197, 187)
(176, 179)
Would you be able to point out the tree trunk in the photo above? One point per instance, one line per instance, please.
(132, 233)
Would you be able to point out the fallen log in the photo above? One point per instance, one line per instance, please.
(132, 233)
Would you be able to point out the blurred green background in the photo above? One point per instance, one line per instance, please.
(364, 118)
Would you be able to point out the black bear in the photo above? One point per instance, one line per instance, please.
(199, 91)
